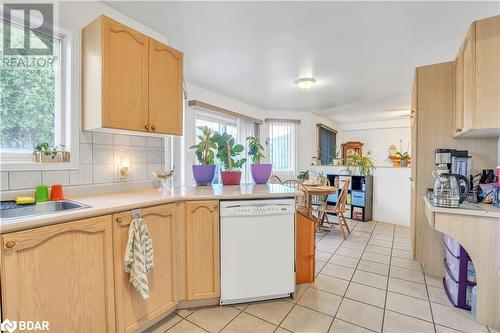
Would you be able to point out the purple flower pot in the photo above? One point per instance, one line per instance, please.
(203, 174)
(261, 172)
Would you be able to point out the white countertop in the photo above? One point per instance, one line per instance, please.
(102, 204)
(487, 210)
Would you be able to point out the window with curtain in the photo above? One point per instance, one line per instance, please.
(327, 142)
(282, 146)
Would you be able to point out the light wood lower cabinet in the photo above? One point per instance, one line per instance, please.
(202, 250)
(62, 274)
(132, 311)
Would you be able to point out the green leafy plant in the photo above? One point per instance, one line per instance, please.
(335, 152)
(403, 156)
(255, 149)
(364, 164)
(228, 152)
(303, 175)
(43, 148)
(204, 150)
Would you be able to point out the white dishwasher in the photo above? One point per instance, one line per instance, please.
(257, 240)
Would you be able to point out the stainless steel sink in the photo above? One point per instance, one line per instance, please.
(41, 208)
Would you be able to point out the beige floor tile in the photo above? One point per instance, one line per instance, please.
(383, 231)
(373, 267)
(301, 319)
(246, 323)
(438, 295)
(455, 318)
(493, 330)
(326, 248)
(320, 301)
(213, 319)
(240, 307)
(370, 279)
(281, 330)
(399, 323)
(344, 261)
(330, 284)
(383, 237)
(273, 312)
(366, 294)
(406, 263)
(323, 256)
(411, 306)
(401, 254)
(164, 324)
(406, 274)
(401, 246)
(329, 241)
(407, 287)
(375, 257)
(340, 326)
(185, 327)
(378, 249)
(300, 289)
(361, 314)
(442, 329)
(185, 312)
(338, 271)
(353, 253)
(434, 281)
(319, 265)
(352, 245)
(380, 243)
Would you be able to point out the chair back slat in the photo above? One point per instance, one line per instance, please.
(275, 180)
(302, 202)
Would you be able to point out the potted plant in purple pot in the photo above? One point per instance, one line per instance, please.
(260, 171)
(229, 154)
(205, 153)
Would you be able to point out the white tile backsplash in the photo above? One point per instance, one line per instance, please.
(99, 156)
(20, 180)
(55, 177)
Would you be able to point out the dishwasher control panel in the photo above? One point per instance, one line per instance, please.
(257, 207)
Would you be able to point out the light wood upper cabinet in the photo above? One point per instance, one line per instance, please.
(130, 81)
(469, 80)
(202, 249)
(458, 110)
(132, 311)
(62, 274)
(165, 88)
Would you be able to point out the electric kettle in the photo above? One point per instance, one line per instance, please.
(447, 190)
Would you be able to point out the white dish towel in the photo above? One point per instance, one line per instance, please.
(139, 257)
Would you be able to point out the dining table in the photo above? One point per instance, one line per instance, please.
(317, 190)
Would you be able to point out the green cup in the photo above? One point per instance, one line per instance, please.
(42, 193)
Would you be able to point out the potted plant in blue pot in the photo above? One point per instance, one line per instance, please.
(228, 152)
(205, 153)
(260, 171)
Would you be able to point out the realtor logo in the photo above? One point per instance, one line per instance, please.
(9, 326)
(36, 20)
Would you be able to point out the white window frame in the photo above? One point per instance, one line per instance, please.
(293, 148)
(67, 119)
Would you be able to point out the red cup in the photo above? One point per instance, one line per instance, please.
(498, 175)
(56, 192)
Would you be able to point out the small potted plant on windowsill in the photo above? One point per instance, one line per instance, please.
(204, 151)
(229, 154)
(260, 171)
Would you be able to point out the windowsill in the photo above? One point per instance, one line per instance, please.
(33, 166)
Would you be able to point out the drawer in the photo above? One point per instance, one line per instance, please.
(357, 213)
(453, 266)
(452, 289)
(452, 245)
(334, 196)
(358, 198)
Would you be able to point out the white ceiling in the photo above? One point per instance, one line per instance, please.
(362, 53)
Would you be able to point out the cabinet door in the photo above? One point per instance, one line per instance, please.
(165, 89)
(458, 109)
(125, 77)
(132, 311)
(469, 79)
(202, 250)
(62, 274)
(304, 249)
(488, 73)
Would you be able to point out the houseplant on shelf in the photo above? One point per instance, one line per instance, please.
(403, 158)
(205, 153)
(364, 164)
(229, 154)
(335, 156)
(260, 171)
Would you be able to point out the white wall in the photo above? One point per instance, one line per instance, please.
(378, 140)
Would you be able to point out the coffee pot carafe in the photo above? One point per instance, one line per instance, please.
(447, 190)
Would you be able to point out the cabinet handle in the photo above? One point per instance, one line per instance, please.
(458, 130)
(119, 220)
(10, 244)
(146, 127)
(153, 127)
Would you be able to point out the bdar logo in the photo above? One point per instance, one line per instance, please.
(9, 326)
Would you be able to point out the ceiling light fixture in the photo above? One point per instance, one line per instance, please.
(305, 82)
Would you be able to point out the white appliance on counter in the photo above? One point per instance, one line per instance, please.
(257, 240)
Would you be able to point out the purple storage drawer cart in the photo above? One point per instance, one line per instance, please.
(460, 275)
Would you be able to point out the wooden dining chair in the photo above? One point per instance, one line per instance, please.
(339, 209)
(302, 201)
(319, 200)
(275, 180)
